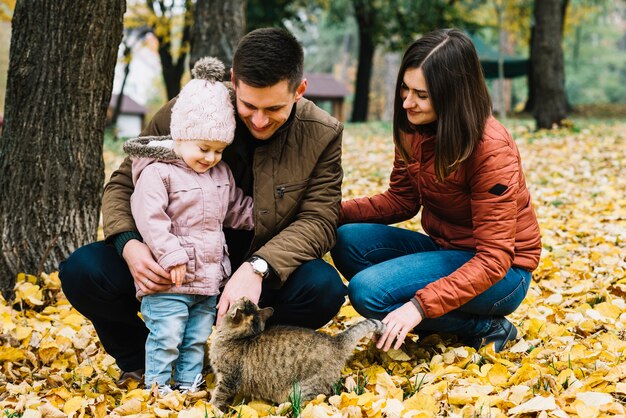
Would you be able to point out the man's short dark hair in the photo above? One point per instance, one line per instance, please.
(267, 56)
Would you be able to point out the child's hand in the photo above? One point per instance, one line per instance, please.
(177, 273)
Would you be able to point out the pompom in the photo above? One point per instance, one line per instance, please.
(208, 68)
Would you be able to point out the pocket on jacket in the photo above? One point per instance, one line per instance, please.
(226, 267)
(283, 189)
(190, 275)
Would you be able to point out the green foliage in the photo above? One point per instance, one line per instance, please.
(361, 382)
(295, 397)
(337, 387)
(394, 24)
(595, 65)
(263, 13)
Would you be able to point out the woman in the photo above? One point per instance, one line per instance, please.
(461, 166)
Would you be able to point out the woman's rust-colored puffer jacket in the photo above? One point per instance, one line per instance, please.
(484, 206)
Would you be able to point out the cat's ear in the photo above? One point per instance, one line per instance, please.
(265, 313)
(236, 315)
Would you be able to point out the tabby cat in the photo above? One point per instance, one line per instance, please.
(264, 364)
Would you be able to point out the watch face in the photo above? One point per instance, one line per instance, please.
(261, 265)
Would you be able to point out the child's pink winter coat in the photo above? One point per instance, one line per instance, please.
(181, 214)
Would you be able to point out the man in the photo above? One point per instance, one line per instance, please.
(287, 155)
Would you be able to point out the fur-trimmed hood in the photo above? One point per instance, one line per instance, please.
(157, 147)
(145, 150)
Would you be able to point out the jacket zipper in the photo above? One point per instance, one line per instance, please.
(282, 189)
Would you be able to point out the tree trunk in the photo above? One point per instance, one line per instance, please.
(218, 27)
(367, 47)
(547, 65)
(51, 167)
(530, 100)
(171, 67)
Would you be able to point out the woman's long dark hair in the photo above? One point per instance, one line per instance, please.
(458, 93)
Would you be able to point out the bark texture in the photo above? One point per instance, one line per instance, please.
(218, 27)
(364, 14)
(547, 88)
(62, 59)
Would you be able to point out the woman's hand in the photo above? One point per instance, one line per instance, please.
(397, 324)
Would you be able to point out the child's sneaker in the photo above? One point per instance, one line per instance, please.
(194, 387)
(164, 390)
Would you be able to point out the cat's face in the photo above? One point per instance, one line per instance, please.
(246, 318)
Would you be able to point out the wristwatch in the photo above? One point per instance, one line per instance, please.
(259, 266)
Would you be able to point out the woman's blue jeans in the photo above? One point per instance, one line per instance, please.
(387, 265)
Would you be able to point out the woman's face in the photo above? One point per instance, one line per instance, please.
(415, 98)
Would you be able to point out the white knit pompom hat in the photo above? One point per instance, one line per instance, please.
(204, 109)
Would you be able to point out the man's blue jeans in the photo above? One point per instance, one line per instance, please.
(179, 326)
(387, 265)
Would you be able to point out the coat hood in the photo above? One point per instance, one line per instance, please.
(145, 150)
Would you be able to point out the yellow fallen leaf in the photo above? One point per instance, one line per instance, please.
(585, 411)
(536, 404)
(371, 374)
(51, 281)
(84, 371)
(386, 388)
(31, 413)
(29, 293)
(393, 408)
(6, 322)
(620, 387)
(195, 412)
(594, 398)
(244, 411)
(422, 402)
(398, 355)
(348, 399)
(11, 354)
(262, 408)
(130, 407)
(73, 404)
(75, 321)
(50, 411)
(498, 375)
(48, 351)
(366, 399)
(348, 311)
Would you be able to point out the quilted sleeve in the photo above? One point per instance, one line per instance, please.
(398, 203)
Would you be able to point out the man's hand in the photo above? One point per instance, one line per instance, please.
(178, 274)
(244, 282)
(397, 324)
(149, 276)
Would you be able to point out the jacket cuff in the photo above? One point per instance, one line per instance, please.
(417, 305)
(174, 258)
(122, 238)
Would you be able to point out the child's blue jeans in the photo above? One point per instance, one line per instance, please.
(387, 265)
(179, 327)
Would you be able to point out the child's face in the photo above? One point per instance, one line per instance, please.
(200, 155)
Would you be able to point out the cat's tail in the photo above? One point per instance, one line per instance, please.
(351, 337)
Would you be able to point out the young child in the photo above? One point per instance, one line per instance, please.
(183, 198)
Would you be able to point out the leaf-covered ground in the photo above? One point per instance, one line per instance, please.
(568, 362)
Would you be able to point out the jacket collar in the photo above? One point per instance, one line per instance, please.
(247, 143)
